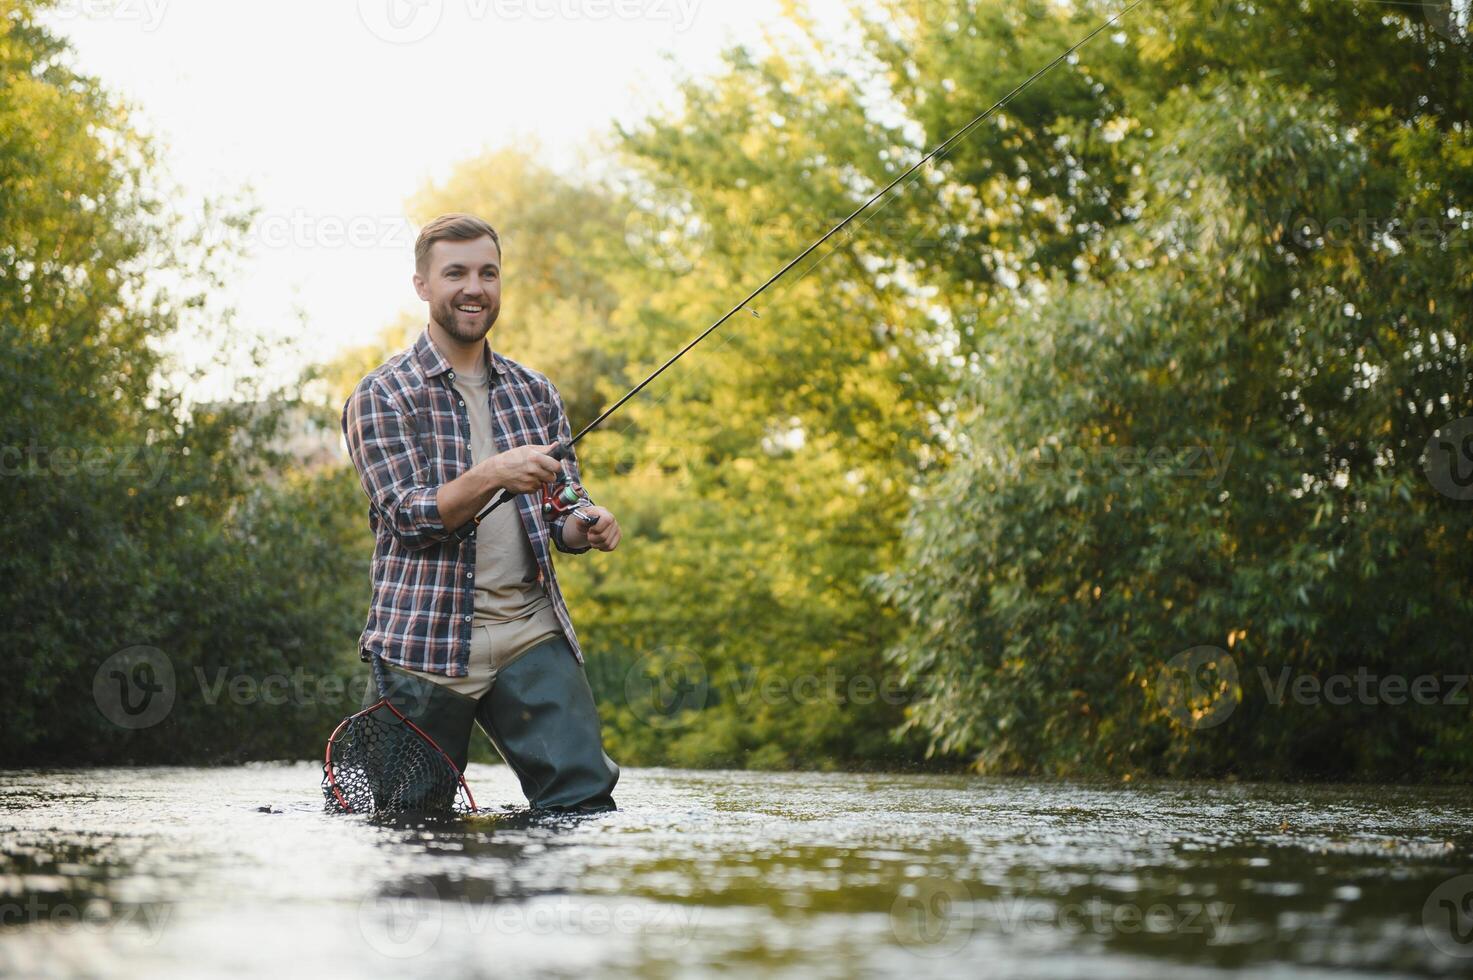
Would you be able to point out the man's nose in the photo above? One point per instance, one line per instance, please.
(471, 288)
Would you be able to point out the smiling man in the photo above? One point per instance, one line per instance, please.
(473, 627)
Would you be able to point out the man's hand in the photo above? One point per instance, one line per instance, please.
(525, 468)
(519, 470)
(603, 534)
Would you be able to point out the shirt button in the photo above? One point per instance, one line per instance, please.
(452, 375)
(467, 619)
(461, 404)
(470, 574)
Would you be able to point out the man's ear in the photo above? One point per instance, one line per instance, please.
(421, 287)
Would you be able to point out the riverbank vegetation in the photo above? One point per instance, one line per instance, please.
(1102, 448)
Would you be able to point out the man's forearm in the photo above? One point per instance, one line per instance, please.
(459, 500)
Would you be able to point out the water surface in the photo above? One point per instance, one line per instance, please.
(237, 871)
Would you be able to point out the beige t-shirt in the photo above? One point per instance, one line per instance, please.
(507, 585)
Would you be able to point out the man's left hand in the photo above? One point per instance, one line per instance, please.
(603, 534)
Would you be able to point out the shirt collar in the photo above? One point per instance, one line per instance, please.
(434, 363)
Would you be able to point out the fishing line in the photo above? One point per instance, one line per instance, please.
(956, 137)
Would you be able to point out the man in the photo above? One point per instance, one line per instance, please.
(476, 630)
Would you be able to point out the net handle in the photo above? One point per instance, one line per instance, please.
(379, 680)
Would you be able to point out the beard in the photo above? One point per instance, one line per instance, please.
(466, 329)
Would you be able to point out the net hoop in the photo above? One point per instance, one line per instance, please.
(330, 770)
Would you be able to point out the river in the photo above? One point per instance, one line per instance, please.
(212, 872)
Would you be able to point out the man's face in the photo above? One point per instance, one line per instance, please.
(462, 284)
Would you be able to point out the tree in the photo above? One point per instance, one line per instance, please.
(136, 521)
(1274, 280)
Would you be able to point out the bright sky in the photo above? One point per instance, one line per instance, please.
(333, 112)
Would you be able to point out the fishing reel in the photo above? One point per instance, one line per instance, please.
(566, 496)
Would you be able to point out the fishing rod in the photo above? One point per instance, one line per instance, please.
(567, 495)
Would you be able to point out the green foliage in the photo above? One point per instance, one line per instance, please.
(767, 473)
(133, 521)
(1259, 287)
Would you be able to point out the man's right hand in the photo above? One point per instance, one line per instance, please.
(525, 468)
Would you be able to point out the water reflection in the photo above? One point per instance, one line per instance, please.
(485, 858)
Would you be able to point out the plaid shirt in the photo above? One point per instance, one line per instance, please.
(408, 433)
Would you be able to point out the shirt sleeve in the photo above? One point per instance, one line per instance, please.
(392, 467)
(559, 427)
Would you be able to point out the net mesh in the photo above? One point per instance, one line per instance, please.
(378, 763)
